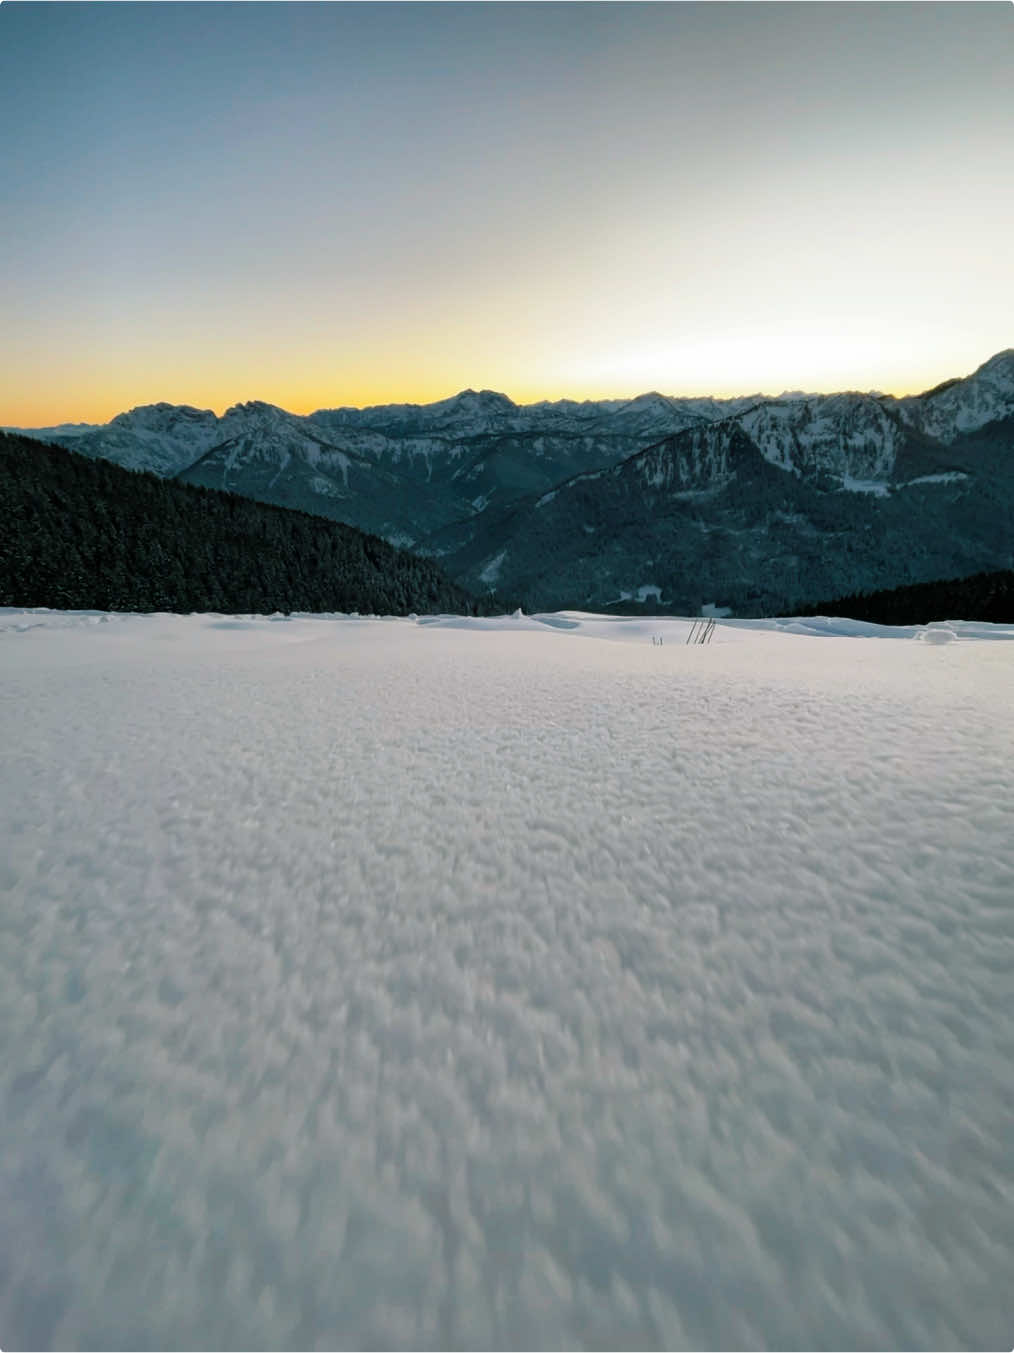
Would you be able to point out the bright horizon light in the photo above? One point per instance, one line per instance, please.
(324, 205)
(737, 354)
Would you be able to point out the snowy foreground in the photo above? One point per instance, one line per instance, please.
(515, 983)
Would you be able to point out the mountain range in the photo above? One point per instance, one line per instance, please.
(747, 504)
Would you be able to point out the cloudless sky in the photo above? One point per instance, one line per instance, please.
(324, 204)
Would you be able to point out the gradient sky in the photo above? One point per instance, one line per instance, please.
(348, 204)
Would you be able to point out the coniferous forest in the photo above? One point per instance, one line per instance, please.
(984, 596)
(82, 534)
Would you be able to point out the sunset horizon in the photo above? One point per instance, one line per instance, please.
(328, 205)
(221, 406)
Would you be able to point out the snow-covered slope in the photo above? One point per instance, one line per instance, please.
(163, 438)
(644, 416)
(853, 437)
(468, 413)
(491, 448)
(255, 433)
(516, 984)
(57, 431)
(958, 406)
(265, 453)
(705, 516)
(701, 458)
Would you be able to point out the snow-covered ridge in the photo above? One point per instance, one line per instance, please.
(965, 405)
(58, 430)
(856, 431)
(851, 436)
(16, 620)
(701, 457)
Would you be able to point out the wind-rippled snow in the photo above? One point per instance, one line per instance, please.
(497, 984)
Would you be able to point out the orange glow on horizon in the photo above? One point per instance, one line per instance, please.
(30, 409)
(627, 378)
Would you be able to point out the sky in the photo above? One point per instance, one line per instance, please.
(332, 204)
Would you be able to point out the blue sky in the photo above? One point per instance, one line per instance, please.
(324, 204)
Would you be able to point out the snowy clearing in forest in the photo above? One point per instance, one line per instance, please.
(505, 983)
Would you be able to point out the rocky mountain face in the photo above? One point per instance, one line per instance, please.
(752, 503)
(963, 406)
(705, 518)
(263, 452)
(401, 470)
(163, 438)
(853, 437)
(785, 501)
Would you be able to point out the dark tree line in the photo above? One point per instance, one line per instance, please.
(984, 596)
(82, 534)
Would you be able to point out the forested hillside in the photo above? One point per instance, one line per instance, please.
(86, 534)
(984, 596)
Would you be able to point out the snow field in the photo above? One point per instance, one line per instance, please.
(461, 984)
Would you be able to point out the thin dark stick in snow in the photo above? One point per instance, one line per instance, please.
(701, 631)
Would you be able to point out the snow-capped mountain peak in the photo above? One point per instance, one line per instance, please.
(482, 399)
(965, 405)
(160, 437)
(470, 412)
(161, 417)
(258, 410)
(1000, 366)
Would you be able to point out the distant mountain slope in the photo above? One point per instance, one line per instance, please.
(401, 470)
(87, 534)
(705, 517)
(438, 442)
(163, 438)
(264, 453)
(959, 407)
(751, 502)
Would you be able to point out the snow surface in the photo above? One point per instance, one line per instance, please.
(505, 983)
(946, 477)
(491, 573)
(875, 486)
